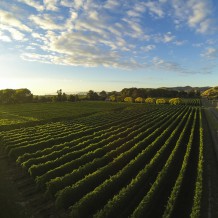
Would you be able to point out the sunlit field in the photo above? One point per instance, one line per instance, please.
(106, 159)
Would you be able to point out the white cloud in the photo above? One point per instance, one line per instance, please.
(4, 37)
(15, 34)
(211, 41)
(30, 48)
(205, 26)
(36, 35)
(78, 49)
(198, 45)
(37, 57)
(210, 53)
(199, 13)
(140, 7)
(179, 43)
(133, 13)
(34, 4)
(168, 37)
(169, 66)
(51, 5)
(165, 38)
(148, 48)
(45, 22)
(66, 3)
(78, 3)
(195, 13)
(134, 29)
(112, 4)
(107, 33)
(7, 18)
(94, 15)
(155, 8)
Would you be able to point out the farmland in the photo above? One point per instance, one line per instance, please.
(101, 159)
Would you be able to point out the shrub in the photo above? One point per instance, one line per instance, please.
(161, 101)
(175, 101)
(139, 100)
(150, 100)
(128, 99)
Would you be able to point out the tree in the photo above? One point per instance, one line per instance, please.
(103, 95)
(23, 96)
(161, 101)
(150, 100)
(191, 93)
(11, 96)
(139, 100)
(175, 101)
(128, 99)
(73, 98)
(8, 96)
(112, 98)
(64, 97)
(91, 95)
(59, 97)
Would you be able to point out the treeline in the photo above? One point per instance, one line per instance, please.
(144, 93)
(13, 96)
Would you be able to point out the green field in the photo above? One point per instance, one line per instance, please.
(28, 114)
(101, 159)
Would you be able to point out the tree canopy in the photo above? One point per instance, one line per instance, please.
(211, 93)
(175, 101)
(12, 96)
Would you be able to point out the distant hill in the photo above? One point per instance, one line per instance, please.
(187, 88)
(211, 93)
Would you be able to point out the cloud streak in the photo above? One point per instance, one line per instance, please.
(110, 33)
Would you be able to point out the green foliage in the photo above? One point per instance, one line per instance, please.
(139, 100)
(12, 96)
(112, 98)
(105, 159)
(73, 98)
(91, 95)
(103, 95)
(196, 208)
(177, 187)
(150, 100)
(161, 101)
(175, 101)
(211, 93)
(128, 99)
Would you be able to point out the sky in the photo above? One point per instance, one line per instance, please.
(82, 45)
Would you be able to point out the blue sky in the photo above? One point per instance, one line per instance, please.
(78, 45)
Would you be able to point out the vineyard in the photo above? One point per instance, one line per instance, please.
(116, 160)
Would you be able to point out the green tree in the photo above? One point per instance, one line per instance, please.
(175, 101)
(73, 98)
(91, 95)
(112, 98)
(128, 99)
(161, 101)
(139, 100)
(59, 97)
(64, 97)
(8, 96)
(23, 96)
(103, 95)
(150, 100)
